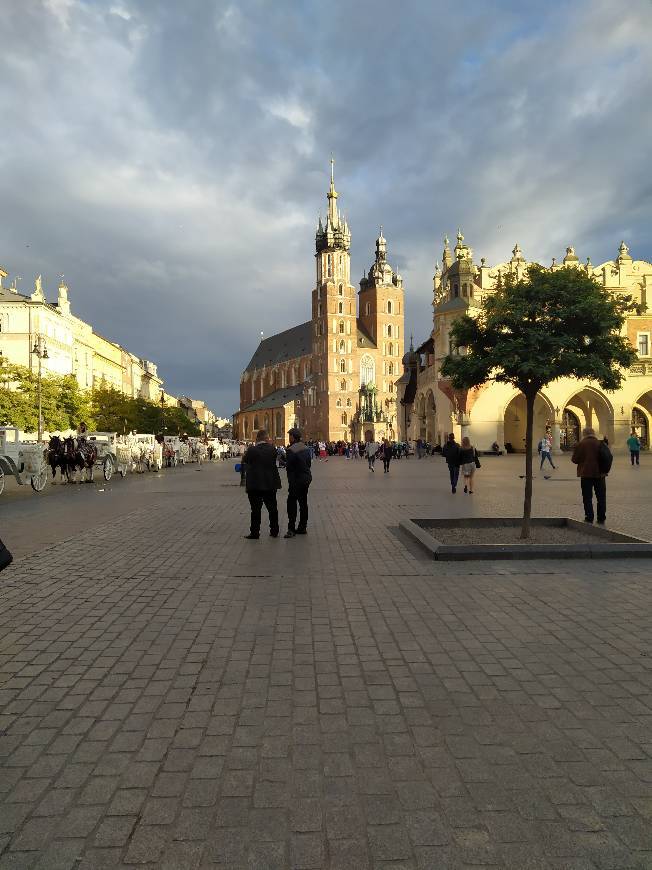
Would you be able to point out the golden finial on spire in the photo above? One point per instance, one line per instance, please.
(332, 169)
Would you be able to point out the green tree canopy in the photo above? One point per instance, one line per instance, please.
(529, 332)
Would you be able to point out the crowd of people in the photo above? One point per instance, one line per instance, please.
(591, 455)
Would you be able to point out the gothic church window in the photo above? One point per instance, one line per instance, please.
(343, 366)
(344, 419)
(343, 385)
(391, 349)
(367, 308)
(348, 403)
(389, 329)
(342, 346)
(367, 370)
(341, 290)
(341, 327)
(330, 266)
(389, 308)
(340, 308)
(390, 369)
(338, 404)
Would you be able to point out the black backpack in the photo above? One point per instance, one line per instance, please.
(605, 458)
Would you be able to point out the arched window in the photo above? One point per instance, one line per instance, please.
(345, 419)
(367, 370)
(342, 346)
(464, 289)
(330, 266)
(389, 328)
(390, 369)
(343, 366)
(340, 308)
(341, 290)
(256, 422)
(342, 385)
(391, 349)
(348, 403)
(389, 307)
(341, 327)
(338, 403)
(367, 308)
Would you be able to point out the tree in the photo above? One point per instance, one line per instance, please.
(547, 325)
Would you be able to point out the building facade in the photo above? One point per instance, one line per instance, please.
(334, 375)
(74, 348)
(495, 413)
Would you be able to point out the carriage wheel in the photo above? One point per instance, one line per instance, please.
(39, 480)
(2, 481)
(107, 469)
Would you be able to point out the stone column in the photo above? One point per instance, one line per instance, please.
(556, 437)
(622, 431)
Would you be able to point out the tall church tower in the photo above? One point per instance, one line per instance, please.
(334, 326)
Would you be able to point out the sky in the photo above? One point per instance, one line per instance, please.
(171, 159)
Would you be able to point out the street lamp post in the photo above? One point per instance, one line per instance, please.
(162, 404)
(40, 350)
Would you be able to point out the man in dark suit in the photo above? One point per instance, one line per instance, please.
(262, 482)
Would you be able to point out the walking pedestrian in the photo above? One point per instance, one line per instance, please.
(386, 453)
(297, 465)
(262, 482)
(371, 449)
(593, 459)
(451, 453)
(634, 444)
(468, 462)
(545, 449)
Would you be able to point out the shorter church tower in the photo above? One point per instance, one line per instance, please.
(382, 318)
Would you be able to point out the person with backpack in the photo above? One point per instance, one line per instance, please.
(634, 445)
(593, 459)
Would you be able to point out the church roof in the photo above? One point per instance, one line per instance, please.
(283, 346)
(364, 339)
(276, 399)
(7, 295)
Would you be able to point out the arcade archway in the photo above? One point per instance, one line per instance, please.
(516, 418)
(590, 408)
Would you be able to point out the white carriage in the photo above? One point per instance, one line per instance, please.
(198, 450)
(112, 453)
(146, 452)
(175, 451)
(25, 460)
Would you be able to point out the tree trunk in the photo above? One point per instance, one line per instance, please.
(530, 398)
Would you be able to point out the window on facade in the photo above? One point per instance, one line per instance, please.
(389, 307)
(348, 403)
(389, 330)
(390, 369)
(343, 366)
(391, 349)
(367, 370)
(344, 419)
(341, 290)
(342, 385)
(338, 403)
(341, 327)
(391, 386)
(330, 266)
(340, 308)
(279, 424)
(256, 422)
(643, 344)
(367, 308)
(342, 346)
(464, 290)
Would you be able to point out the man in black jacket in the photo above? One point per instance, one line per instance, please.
(262, 482)
(297, 464)
(451, 453)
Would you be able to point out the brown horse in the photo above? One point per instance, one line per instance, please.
(80, 455)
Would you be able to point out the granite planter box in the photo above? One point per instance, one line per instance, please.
(599, 543)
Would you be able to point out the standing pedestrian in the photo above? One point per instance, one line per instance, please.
(297, 465)
(451, 453)
(593, 459)
(355, 450)
(386, 453)
(545, 449)
(634, 444)
(371, 449)
(262, 482)
(468, 462)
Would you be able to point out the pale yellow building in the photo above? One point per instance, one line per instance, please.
(495, 413)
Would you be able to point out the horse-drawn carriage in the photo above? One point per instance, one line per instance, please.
(112, 454)
(198, 450)
(176, 451)
(146, 452)
(25, 460)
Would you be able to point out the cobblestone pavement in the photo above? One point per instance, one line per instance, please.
(172, 695)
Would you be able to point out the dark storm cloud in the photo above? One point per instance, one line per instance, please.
(171, 159)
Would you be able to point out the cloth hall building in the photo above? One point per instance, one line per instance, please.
(333, 376)
(495, 413)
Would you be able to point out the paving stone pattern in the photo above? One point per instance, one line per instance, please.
(174, 696)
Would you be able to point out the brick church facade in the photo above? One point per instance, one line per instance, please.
(333, 376)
